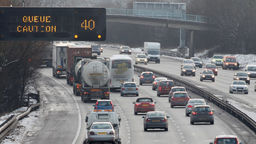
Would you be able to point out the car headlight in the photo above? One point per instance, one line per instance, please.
(213, 60)
(130, 51)
(203, 76)
(145, 60)
(193, 70)
(216, 70)
(226, 63)
(235, 64)
(184, 70)
(248, 78)
(249, 73)
(213, 76)
(237, 78)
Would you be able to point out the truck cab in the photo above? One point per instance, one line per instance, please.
(229, 62)
(152, 50)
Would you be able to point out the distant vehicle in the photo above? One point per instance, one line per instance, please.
(175, 89)
(198, 62)
(207, 75)
(212, 67)
(143, 104)
(155, 119)
(59, 58)
(188, 62)
(188, 70)
(75, 53)
(255, 87)
(192, 103)
(152, 50)
(201, 113)
(229, 62)
(129, 88)
(102, 48)
(217, 60)
(156, 81)
(242, 76)
(121, 70)
(95, 81)
(96, 49)
(226, 139)
(141, 58)
(238, 86)
(103, 105)
(146, 77)
(125, 50)
(179, 98)
(251, 70)
(164, 87)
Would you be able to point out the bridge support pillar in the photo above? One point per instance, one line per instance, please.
(191, 44)
(182, 38)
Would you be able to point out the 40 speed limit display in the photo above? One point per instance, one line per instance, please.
(79, 24)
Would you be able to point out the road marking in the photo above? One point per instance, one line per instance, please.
(79, 112)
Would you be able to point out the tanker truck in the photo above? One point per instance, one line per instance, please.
(94, 76)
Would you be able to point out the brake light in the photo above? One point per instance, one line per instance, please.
(92, 133)
(86, 93)
(211, 113)
(190, 106)
(106, 93)
(78, 86)
(137, 104)
(159, 88)
(147, 119)
(141, 77)
(173, 98)
(194, 113)
(152, 104)
(164, 119)
(153, 77)
(58, 71)
(136, 88)
(111, 133)
(154, 83)
(122, 88)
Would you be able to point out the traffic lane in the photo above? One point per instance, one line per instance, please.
(58, 113)
(86, 108)
(136, 124)
(200, 133)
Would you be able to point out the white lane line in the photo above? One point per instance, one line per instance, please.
(79, 112)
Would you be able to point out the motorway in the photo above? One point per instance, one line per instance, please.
(62, 119)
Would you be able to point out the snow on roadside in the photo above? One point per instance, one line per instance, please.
(25, 127)
(15, 112)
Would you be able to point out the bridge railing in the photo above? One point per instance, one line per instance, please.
(157, 15)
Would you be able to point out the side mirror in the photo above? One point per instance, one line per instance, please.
(133, 102)
(143, 116)
(211, 142)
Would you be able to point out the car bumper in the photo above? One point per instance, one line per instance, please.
(144, 110)
(147, 81)
(201, 118)
(101, 138)
(239, 91)
(178, 103)
(129, 93)
(189, 73)
(156, 125)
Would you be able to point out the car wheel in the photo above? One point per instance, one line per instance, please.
(246, 93)
(200, 66)
(137, 94)
(166, 129)
(194, 74)
(135, 113)
(191, 122)
(213, 80)
(140, 83)
(231, 92)
(212, 122)
(145, 129)
(171, 106)
(248, 82)
(201, 79)
(187, 114)
(158, 95)
(181, 74)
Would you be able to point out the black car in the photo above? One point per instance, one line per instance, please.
(147, 77)
(207, 75)
(188, 70)
(198, 62)
(242, 76)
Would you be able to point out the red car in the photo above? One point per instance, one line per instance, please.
(179, 98)
(174, 89)
(212, 67)
(143, 105)
(226, 139)
(164, 87)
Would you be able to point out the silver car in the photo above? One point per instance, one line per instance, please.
(129, 88)
(238, 86)
(101, 131)
(192, 103)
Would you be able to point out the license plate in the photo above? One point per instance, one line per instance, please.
(95, 90)
(102, 133)
(155, 120)
(129, 89)
(145, 105)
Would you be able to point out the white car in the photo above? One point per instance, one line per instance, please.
(238, 86)
(251, 70)
(141, 58)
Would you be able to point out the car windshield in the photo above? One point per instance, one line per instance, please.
(125, 48)
(196, 101)
(210, 66)
(239, 83)
(218, 57)
(178, 89)
(195, 59)
(188, 61)
(153, 52)
(141, 56)
(188, 67)
(207, 72)
(166, 83)
(104, 103)
(101, 126)
(156, 114)
(202, 109)
(147, 74)
(226, 141)
(129, 85)
(180, 95)
(251, 68)
(242, 74)
(144, 100)
(121, 64)
(230, 60)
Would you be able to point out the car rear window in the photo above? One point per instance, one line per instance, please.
(104, 103)
(180, 95)
(210, 66)
(196, 101)
(166, 83)
(144, 100)
(156, 114)
(130, 85)
(101, 126)
(226, 141)
(147, 74)
(202, 109)
(178, 89)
